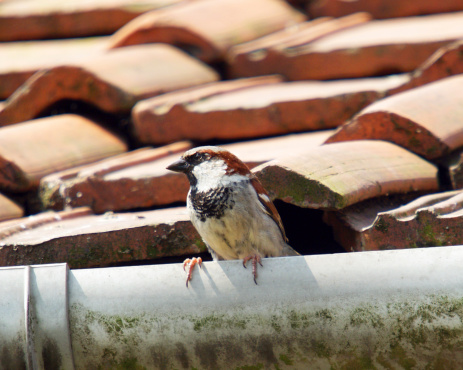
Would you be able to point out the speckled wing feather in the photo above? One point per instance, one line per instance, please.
(269, 207)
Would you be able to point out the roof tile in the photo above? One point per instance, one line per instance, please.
(427, 120)
(32, 20)
(9, 209)
(338, 175)
(20, 60)
(253, 111)
(33, 149)
(208, 28)
(380, 9)
(97, 241)
(373, 48)
(432, 220)
(136, 184)
(113, 81)
(446, 61)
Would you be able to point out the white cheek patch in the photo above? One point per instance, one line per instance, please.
(209, 174)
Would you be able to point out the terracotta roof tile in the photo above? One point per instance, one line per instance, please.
(381, 8)
(432, 220)
(31, 150)
(20, 60)
(374, 48)
(208, 28)
(31, 20)
(113, 81)
(338, 175)
(253, 111)
(427, 120)
(9, 209)
(263, 55)
(97, 241)
(128, 184)
(446, 61)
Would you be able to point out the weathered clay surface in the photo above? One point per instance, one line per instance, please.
(33, 149)
(113, 81)
(104, 240)
(432, 220)
(254, 111)
(373, 48)
(338, 175)
(207, 29)
(427, 120)
(9, 209)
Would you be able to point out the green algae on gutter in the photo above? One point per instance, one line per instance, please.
(407, 334)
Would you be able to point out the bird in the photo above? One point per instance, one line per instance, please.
(230, 209)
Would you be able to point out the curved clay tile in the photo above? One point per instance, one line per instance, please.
(208, 28)
(35, 20)
(33, 149)
(258, 110)
(427, 120)
(113, 82)
(338, 175)
(373, 48)
(429, 221)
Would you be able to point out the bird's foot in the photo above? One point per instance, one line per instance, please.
(255, 259)
(191, 264)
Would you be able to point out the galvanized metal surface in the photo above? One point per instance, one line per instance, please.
(387, 309)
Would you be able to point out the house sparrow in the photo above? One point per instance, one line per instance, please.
(230, 209)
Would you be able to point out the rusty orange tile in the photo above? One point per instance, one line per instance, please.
(427, 120)
(97, 241)
(261, 56)
(20, 60)
(148, 184)
(33, 20)
(9, 209)
(208, 28)
(446, 61)
(338, 175)
(33, 149)
(429, 221)
(254, 111)
(381, 9)
(113, 82)
(373, 48)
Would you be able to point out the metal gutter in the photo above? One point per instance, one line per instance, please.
(386, 309)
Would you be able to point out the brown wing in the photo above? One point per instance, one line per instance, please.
(269, 207)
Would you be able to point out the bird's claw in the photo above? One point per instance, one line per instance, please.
(255, 259)
(191, 264)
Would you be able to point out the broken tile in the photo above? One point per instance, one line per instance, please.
(381, 9)
(149, 183)
(427, 120)
(208, 28)
(113, 82)
(378, 47)
(34, 20)
(262, 56)
(338, 175)
(33, 149)
(9, 209)
(446, 61)
(97, 241)
(254, 111)
(431, 220)
(20, 60)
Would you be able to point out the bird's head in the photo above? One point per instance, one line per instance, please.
(209, 165)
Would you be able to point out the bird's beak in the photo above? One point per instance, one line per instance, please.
(179, 166)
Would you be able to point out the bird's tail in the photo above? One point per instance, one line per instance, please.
(289, 251)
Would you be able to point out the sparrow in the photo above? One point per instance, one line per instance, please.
(230, 209)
